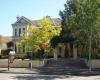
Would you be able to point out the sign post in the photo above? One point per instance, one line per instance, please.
(11, 56)
(31, 55)
(8, 63)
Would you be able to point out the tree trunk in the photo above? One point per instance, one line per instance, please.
(55, 52)
(63, 51)
(74, 52)
(79, 51)
(68, 46)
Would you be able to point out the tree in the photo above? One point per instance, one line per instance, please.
(34, 37)
(10, 45)
(78, 19)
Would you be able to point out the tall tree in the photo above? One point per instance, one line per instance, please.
(78, 21)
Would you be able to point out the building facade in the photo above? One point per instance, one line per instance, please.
(4, 40)
(21, 24)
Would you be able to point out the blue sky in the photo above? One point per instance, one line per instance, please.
(32, 9)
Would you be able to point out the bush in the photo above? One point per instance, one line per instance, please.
(3, 57)
(5, 52)
(20, 56)
(94, 56)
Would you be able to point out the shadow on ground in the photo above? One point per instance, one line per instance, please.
(53, 75)
(64, 71)
(54, 70)
(41, 77)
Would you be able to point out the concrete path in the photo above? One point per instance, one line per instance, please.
(50, 71)
(9, 76)
(34, 74)
(19, 70)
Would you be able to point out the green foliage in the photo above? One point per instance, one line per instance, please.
(20, 56)
(55, 40)
(77, 18)
(94, 56)
(34, 36)
(80, 23)
(10, 44)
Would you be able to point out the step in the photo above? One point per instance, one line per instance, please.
(66, 63)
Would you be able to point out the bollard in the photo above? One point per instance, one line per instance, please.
(30, 65)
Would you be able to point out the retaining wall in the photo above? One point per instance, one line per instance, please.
(21, 63)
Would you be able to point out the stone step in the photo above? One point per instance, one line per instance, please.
(67, 63)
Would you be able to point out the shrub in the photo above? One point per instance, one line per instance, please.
(94, 56)
(20, 56)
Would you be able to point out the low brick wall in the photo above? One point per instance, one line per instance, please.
(21, 63)
(94, 63)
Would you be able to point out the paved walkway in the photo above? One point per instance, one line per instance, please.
(34, 74)
(48, 71)
(6, 76)
(19, 70)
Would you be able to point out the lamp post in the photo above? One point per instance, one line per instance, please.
(90, 48)
(8, 63)
(90, 38)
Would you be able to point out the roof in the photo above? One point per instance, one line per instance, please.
(22, 17)
(56, 21)
(35, 22)
(7, 39)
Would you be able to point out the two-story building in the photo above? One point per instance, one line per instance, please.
(22, 22)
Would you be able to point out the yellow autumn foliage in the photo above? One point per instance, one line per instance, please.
(42, 33)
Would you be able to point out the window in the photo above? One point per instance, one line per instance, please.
(23, 29)
(15, 32)
(19, 31)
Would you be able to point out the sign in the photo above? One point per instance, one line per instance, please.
(11, 56)
(11, 53)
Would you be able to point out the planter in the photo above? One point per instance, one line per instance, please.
(95, 63)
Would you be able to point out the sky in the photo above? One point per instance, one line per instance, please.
(32, 9)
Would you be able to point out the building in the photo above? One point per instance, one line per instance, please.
(4, 40)
(22, 22)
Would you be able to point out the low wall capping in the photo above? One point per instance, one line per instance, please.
(21, 63)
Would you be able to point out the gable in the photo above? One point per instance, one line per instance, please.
(22, 20)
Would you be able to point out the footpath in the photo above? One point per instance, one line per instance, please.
(47, 71)
(19, 70)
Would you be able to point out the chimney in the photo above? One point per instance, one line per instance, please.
(48, 16)
(18, 17)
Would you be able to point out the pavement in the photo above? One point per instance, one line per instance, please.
(48, 71)
(35, 74)
(5, 76)
(19, 70)
(10, 76)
